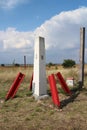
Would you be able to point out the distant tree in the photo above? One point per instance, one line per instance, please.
(50, 64)
(17, 65)
(2, 65)
(68, 63)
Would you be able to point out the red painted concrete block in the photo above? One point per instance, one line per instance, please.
(53, 89)
(63, 83)
(13, 89)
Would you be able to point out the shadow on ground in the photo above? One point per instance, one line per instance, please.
(75, 92)
(70, 99)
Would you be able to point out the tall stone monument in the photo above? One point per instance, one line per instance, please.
(39, 77)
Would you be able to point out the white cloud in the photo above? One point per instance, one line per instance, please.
(11, 38)
(61, 32)
(8, 4)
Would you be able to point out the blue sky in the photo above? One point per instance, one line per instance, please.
(30, 14)
(57, 21)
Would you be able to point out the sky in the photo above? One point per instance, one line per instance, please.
(59, 22)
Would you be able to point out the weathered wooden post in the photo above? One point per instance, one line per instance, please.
(82, 53)
(39, 76)
(25, 61)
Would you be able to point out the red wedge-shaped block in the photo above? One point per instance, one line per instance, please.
(63, 83)
(53, 89)
(13, 89)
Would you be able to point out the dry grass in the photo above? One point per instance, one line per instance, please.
(24, 113)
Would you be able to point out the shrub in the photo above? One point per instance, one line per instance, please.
(68, 63)
(50, 64)
(17, 65)
(2, 65)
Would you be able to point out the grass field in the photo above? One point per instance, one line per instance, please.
(25, 113)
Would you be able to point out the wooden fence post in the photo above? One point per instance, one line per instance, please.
(82, 52)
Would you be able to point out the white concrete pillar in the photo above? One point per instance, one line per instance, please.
(39, 80)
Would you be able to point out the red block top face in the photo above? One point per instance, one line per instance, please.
(70, 78)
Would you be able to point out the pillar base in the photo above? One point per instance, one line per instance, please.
(40, 97)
